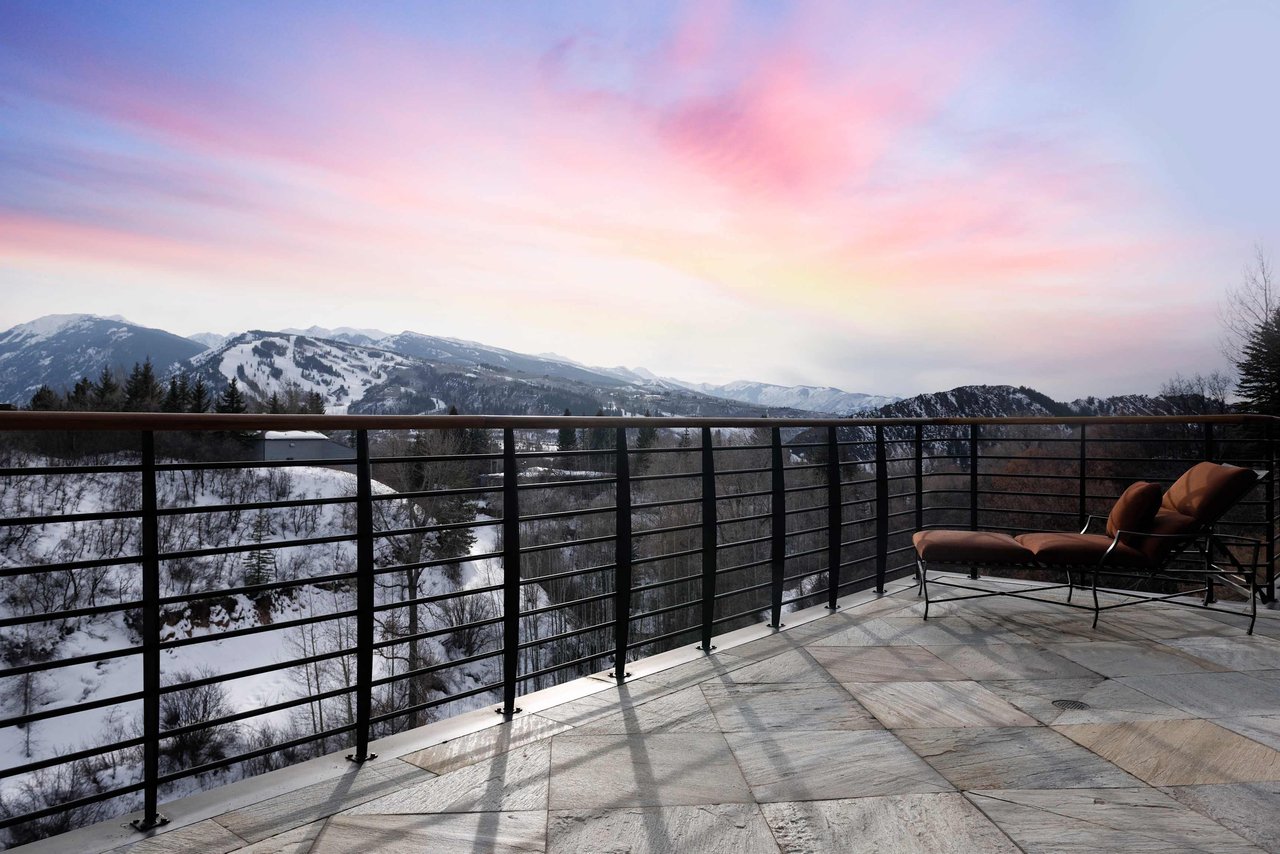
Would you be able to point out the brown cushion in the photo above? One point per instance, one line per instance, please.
(969, 547)
(1165, 522)
(1135, 509)
(1062, 548)
(1207, 490)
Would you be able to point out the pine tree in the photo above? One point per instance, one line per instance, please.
(260, 565)
(107, 396)
(567, 440)
(1259, 367)
(314, 404)
(200, 398)
(647, 437)
(231, 400)
(274, 404)
(80, 398)
(142, 389)
(45, 400)
(178, 398)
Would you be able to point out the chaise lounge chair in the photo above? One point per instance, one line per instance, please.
(1146, 532)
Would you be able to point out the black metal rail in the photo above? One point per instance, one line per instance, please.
(619, 559)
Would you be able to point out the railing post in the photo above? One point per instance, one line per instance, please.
(882, 510)
(778, 541)
(1210, 447)
(364, 597)
(1270, 483)
(510, 574)
(1083, 505)
(622, 559)
(973, 486)
(919, 453)
(835, 518)
(709, 560)
(151, 816)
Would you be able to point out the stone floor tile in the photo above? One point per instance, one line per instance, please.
(967, 629)
(706, 829)
(1264, 729)
(513, 781)
(1246, 808)
(207, 837)
(1008, 661)
(1089, 821)
(776, 644)
(919, 705)
(1175, 622)
(320, 800)
(1211, 695)
(618, 771)
(790, 766)
(685, 710)
(1012, 758)
(300, 840)
(1178, 753)
(1133, 658)
(457, 752)
(445, 833)
(760, 708)
(1233, 653)
(793, 666)
(1070, 627)
(1107, 700)
(883, 664)
(875, 632)
(943, 823)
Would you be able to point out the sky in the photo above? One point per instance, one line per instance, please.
(891, 198)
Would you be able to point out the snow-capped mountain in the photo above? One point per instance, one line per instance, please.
(451, 351)
(806, 397)
(264, 362)
(345, 334)
(59, 349)
(210, 340)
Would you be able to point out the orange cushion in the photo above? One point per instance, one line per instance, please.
(1165, 522)
(1062, 548)
(1207, 490)
(1135, 509)
(969, 547)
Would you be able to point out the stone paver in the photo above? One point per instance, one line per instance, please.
(997, 725)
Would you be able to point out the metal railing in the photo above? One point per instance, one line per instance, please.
(828, 508)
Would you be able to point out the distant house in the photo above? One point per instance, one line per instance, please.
(301, 445)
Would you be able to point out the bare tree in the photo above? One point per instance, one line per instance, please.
(1247, 306)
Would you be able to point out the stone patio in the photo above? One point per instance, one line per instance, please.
(863, 730)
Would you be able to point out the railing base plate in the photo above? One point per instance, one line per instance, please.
(142, 824)
(351, 757)
(509, 712)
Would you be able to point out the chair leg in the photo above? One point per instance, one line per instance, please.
(1071, 585)
(924, 586)
(1253, 597)
(919, 577)
(1096, 609)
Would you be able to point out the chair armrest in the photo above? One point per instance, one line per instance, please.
(1088, 520)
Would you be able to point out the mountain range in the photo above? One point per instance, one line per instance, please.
(370, 371)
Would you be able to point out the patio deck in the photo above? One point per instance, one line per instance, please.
(998, 725)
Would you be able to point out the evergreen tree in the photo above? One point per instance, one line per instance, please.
(45, 400)
(274, 404)
(260, 566)
(647, 437)
(231, 400)
(1259, 367)
(201, 401)
(178, 398)
(314, 404)
(142, 390)
(107, 396)
(80, 398)
(567, 439)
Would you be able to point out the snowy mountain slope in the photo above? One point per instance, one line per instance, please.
(809, 398)
(345, 334)
(450, 351)
(264, 362)
(59, 349)
(210, 340)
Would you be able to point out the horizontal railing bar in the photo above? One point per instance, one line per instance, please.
(571, 603)
(657, 612)
(436, 597)
(71, 661)
(570, 573)
(41, 471)
(433, 633)
(257, 547)
(68, 566)
(67, 518)
(440, 561)
(80, 706)
(674, 502)
(435, 668)
(566, 484)
(439, 701)
(437, 493)
(586, 630)
(649, 478)
(562, 514)
(50, 616)
(666, 556)
(64, 758)
(577, 662)
(194, 509)
(283, 705)
(253, 754)
(433, 458)
(67, 806)
(250, 589)
(253, 630)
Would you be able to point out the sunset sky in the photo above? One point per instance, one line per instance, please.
(892, 198)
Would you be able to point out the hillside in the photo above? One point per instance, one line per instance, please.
(59, 349)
